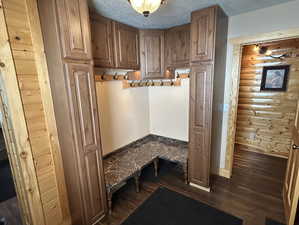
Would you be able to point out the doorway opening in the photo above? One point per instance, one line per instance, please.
(261, 122)
(9, 206)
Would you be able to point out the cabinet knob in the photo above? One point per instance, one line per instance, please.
(2, 64)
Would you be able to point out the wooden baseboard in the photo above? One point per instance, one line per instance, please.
(251, 148)
(200, 187)
(222, 172)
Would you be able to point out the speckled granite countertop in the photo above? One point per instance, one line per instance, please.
(123, 164)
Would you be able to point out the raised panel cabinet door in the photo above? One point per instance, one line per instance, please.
(152, 53)
(127, 46)
(203, 34)
(102, 42)
(201, 94)
(74, 28)
(82, 96)
(180, 55)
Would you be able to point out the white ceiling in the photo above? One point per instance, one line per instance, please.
(175, 12)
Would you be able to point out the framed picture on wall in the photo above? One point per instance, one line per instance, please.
(275, 78)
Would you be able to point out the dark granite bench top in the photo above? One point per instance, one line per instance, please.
(120, 166)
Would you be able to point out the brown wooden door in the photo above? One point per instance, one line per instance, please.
(179, 46)
(127, 46)
(74, 28)
(102, 42)
(87, 139)
(200, 124)
(291, 183)
(152, 53)
(203, 35)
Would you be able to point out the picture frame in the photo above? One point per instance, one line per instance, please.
(275, 78)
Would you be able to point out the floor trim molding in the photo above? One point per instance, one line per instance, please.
(200, 187)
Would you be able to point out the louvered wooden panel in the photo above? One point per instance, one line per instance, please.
(265, 119)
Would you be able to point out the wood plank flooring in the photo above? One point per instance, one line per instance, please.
(10, 210)
(253, 193)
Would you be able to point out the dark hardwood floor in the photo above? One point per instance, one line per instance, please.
(253, 193)
(10, 210)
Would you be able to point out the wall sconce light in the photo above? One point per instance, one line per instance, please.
(263, 50)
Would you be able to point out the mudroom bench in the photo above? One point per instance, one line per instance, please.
(129, 161)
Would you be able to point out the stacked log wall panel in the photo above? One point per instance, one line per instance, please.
(20, 37)
(265, 118)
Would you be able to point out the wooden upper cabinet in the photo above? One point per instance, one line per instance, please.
(115, 45)
(177, 47)
(127, 46)
(203, 29)
(74, 29)
(102, 41)
(152, 53)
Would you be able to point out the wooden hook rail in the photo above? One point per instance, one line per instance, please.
(128, 82)
(110, 77)
(151, 83)
(115, 77)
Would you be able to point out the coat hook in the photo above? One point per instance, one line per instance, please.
(162, 83)
(171, 83)
(147, 83)
(178, 76)
(115, 77)
(126, 77)
(103, 76)
(153, 83)
(188, 75)
(140, 83)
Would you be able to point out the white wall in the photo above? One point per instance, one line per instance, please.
(169, 111)
(277, 18)
(124, 114)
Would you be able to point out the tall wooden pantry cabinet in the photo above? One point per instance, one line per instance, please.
(66, 33)
(208, 59)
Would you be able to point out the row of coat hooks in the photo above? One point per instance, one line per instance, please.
(128, 82)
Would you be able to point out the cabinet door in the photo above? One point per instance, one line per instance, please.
(152, 53)
(82, 96)
(74, 28)
(127, 46)
(201, 94)
(179, 44)
(203, 35)
(102, 42)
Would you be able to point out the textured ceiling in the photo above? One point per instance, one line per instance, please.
(175, 12)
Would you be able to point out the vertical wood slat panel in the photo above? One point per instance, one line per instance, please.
(265, 119)
(16, 114)
(31, 69)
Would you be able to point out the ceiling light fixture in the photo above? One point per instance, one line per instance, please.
(146, 7)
